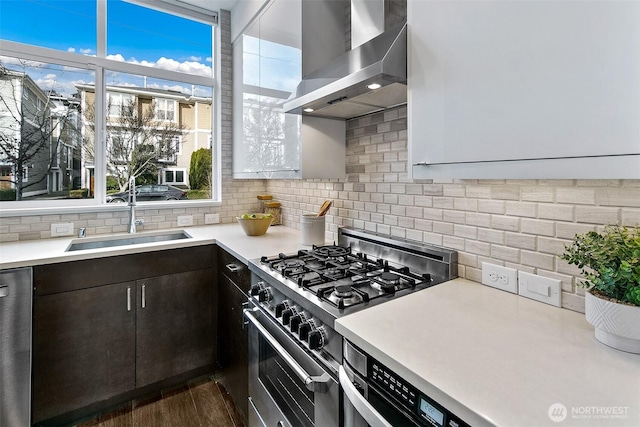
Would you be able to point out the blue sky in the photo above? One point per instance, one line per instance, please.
(138, 35)
(134, 34)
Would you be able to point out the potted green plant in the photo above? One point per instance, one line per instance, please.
(610, 263)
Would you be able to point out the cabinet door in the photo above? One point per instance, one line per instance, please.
(524, 89)
(233, 343)
(175, 329)
(83, 348)
(267, 67)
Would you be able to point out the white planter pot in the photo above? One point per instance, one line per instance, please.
(616, 325)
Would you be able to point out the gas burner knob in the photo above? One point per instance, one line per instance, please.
(255, 288)
(265, 295)
(296, 321)
(280, 308)
(303, 331)
(288, 314)
(317, 339)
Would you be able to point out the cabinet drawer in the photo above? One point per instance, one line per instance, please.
(234, 269)
(73, 275)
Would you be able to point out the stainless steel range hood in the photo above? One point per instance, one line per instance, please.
(341, 90)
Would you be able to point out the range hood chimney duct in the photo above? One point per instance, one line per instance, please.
(343, 88)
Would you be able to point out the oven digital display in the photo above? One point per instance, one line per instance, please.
(431, 412)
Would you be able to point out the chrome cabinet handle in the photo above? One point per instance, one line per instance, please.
(317, 384)
(144, 296)
(4, 291)
(234, 268)
(128, 298)
(364, 408)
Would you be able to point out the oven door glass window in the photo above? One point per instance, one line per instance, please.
(284, 386)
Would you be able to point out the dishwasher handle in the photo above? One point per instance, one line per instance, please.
(361, 405)
(316, 384)
(4, 291)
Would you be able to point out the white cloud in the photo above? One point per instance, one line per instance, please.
(195, 58)
(71, 49)
(85, 51)
(118, 57)
(127, 84)
(188, 67)
(209, 59)
(50, 76)
(9, 60)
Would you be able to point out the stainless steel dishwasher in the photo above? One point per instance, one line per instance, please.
(15, 347)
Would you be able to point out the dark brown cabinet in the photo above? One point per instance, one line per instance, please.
(84, 344)
(174, 322)
(96, 343)
(234, 280)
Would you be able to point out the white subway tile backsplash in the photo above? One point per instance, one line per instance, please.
(555, 212)
(597, 215)
(537, 226)
(627, 197)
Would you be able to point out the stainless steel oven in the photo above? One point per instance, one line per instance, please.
(287, 385)
(294, 351)
(376, 396)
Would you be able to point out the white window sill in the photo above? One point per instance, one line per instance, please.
(107, 207)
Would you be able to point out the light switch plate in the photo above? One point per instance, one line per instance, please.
(539, 288)
(185, 220)
(62, 229)
(212, 218)
(503, 278)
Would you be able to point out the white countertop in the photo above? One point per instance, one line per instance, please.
(229, 236)
(494, 358)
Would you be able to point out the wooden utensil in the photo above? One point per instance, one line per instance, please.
(325, 207)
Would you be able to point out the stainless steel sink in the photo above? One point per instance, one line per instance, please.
(134, 239)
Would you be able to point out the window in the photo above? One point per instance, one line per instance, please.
(169, 148)
(174, 176)
(155, 71)
(43, 16)
(121, 104)
(165, 109)
(157, 33)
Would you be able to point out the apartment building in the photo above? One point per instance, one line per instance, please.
(175, 123)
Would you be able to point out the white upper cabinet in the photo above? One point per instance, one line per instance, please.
(524, 89)
(267, 67)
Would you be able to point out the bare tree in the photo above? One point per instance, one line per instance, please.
(29, 129)
(137, 142)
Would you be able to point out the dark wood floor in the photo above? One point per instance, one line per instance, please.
(201, 403)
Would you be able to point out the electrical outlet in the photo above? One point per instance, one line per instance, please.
(211, 218)
(539, 288)
(62, 229)
(499, 277)
(185, 220)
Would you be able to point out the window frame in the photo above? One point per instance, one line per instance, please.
(163, 171)
(166, 102)
(100, 65)
(121, 95)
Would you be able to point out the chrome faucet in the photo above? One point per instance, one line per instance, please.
(132, 207)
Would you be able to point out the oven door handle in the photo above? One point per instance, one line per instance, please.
(316, 384)
(364, 408)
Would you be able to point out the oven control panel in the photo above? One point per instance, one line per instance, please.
(427, 411)
(393, 385)
(293, 318)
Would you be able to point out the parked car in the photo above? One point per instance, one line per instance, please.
(148, 193)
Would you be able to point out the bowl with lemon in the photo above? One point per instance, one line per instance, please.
(254, 224)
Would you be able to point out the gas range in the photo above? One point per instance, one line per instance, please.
(307, 291)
